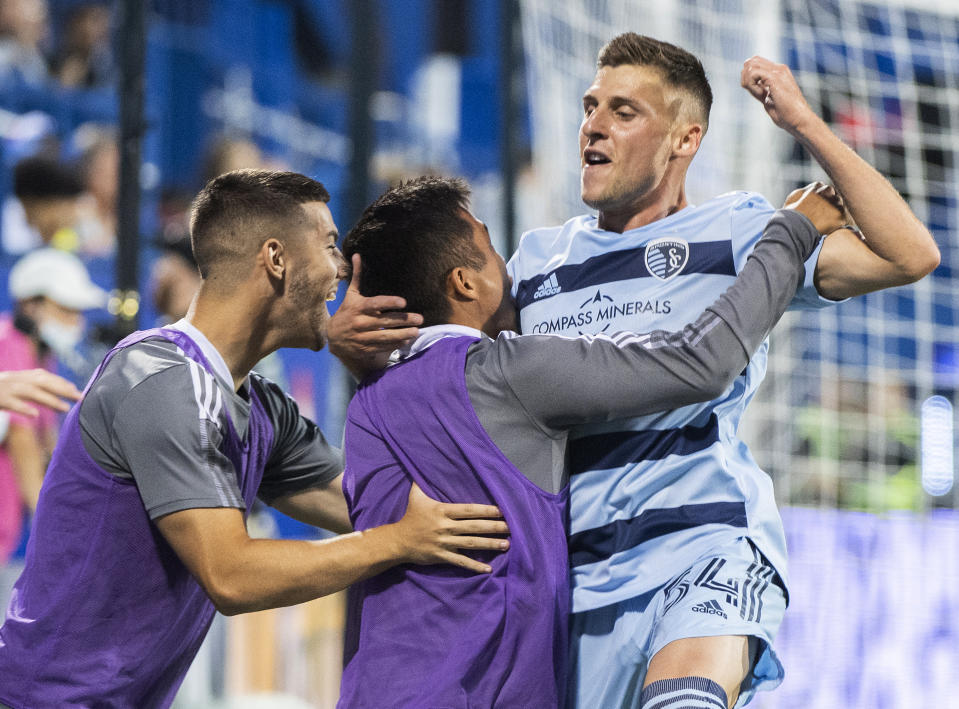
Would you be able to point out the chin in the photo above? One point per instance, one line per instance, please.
(591, 199)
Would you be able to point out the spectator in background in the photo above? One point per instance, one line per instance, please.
(175, 281)
(85, 58)
(49, 192)
(51, 289)
(99, 169)
(24, 28)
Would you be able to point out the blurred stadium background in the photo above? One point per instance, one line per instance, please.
(359, 93)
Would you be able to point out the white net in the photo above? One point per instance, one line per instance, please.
(836, 422)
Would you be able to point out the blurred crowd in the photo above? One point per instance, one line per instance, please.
(58, 225)
(78, 55)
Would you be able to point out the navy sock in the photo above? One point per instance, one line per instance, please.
(684, 693)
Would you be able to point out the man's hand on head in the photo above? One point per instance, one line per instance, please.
(822, 205)
(364, 331)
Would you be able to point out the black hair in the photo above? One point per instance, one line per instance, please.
(410, 239)
(42, 177)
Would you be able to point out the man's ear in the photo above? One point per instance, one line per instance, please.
(686, 139)
(460, 284)
(273, 257)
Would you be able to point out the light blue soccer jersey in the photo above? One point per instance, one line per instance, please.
(650, 496)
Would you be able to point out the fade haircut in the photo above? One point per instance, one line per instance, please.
(236, 212)
(679, 68)
(410, 239)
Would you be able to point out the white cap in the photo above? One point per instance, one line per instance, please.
(58, 275)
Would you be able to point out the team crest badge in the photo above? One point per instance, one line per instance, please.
(666, 257)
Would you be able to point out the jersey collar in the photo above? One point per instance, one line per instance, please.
(209, 351)
(431, 335)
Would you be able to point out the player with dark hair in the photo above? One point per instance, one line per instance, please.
(471, 412)
(139, 534)
(677, 549)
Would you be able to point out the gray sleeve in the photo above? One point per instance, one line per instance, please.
(301, 458)
(171, 448)
(563, 382)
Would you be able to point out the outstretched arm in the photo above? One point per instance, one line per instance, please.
(896, 247)
(563, 382)
(38, 386)
(241, 574)
(364, 331)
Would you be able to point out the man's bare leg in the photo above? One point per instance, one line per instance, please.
(724, 659)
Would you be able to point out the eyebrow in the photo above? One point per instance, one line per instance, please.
(615, 102)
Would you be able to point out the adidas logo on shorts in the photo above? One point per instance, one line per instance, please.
(711, 607)
(548, 287)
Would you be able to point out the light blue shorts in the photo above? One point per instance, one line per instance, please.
(735, 592)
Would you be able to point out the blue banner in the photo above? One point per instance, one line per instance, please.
(873, 619)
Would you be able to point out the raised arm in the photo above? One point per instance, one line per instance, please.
(896, 248)
(364, 331)
(563, 382)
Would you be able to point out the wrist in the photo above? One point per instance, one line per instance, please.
(388, 544)
(812, 132)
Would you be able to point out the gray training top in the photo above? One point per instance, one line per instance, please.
(157, 416)
(529, 390)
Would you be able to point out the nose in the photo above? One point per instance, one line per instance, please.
(593, 125)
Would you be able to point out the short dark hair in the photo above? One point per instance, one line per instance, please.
(236, 212)
(410, 239)
(680, 69)
(42, 177)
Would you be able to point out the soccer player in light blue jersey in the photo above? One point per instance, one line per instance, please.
(676, 547)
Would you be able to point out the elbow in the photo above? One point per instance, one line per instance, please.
(922, 260)
(227, 598)
(717, 382)
(227, 607)
(924, 263)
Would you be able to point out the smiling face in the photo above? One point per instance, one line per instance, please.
(630, 131)
(317, 266)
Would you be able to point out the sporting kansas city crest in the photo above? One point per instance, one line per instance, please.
(666, 257)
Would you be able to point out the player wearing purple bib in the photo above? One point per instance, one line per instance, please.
(469, 411)
(140, 529)
(676, 547)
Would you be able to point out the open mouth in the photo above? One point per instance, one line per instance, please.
(594, 157)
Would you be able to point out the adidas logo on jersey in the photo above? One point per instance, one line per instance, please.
(548, 287)
(711, 607)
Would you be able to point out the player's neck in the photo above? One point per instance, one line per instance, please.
(667, 199)
(235, 330)
(637, 216)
